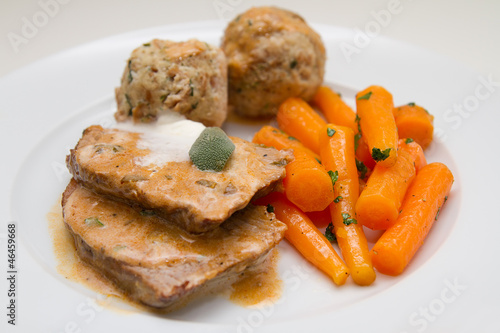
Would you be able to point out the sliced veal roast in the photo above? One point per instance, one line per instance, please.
(119, 164)
(158, 263)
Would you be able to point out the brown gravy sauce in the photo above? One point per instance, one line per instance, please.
(72, 267)
(260, 286)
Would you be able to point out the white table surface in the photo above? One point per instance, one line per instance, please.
(464, 31)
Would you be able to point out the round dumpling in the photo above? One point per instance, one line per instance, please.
(272, 54)
(163, 76)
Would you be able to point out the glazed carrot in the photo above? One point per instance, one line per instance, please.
(337, 154)
(335, 110)
(306, 238)
(307, 184)
(378, 205)
(298, 119)
(273, 137)
(363, 154)
(375, 107)
(415, 151)
(321, 218)
(426, 196)
(414, 122)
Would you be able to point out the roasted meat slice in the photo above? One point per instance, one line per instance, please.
(130, 167)
(161, 264)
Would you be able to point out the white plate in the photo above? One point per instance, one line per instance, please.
(450, 285)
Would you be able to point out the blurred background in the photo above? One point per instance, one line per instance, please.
(465, 30)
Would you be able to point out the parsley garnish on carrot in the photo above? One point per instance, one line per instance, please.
(365, 96)
(329, 233)
(361, 168)
(380, 155)
(357, 137)
(347, 220)
(334, 176)
(356, 120)
(330, 131)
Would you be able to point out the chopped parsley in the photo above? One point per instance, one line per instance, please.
(147, 212)
(130, 78)
(270, 208)
(293, 64)
(334, 176)
(439, 209)
(317, 159)
(347, 220)
(330, 131)
(194, 106)
(163, 98)
(380, 155)
(93, 221)
(192, 88)
(362, 168)
(292, 138)
(146, 44)
(408, 140)
(357, 137)
(411, 104)
(356, 120)
(329, 233)
(365, 96)
(129, 104)
(337, 199)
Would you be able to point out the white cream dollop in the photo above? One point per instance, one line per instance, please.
(168, 139)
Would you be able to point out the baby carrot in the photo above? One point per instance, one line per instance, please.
(426, 196)
(415, 151)
(414, 122)
(375, 107)
(273, 137)
(363, 154)
(306, 238)
(335, 110)
(298, 119)
(378, 205)
(307, 184)
(337, 153)
(320, 218)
